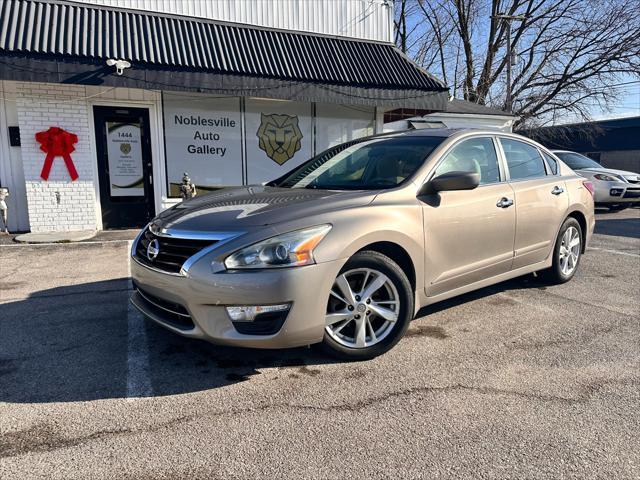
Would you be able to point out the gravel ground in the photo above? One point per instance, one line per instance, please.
(519, 380)
(7, 238)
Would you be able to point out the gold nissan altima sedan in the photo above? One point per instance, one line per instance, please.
(346, 248)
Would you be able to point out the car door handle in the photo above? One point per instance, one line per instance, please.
(504, 202)
(557, 190)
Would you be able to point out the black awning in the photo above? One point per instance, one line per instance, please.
(79, 34)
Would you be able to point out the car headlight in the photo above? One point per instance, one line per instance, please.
(287, 250)
(606, 178)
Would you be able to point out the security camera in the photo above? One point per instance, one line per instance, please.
(119, 64)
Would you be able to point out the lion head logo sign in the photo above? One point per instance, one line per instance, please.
(279, 136)
(125, 148)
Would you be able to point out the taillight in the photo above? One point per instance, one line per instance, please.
(588, 185)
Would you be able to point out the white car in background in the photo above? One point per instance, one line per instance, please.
(616, 189)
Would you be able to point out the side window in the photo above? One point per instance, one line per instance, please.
(476, 155)
(552, 162)
(523, 160)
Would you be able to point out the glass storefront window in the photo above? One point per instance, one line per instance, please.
(279, 137)
(336, 124)
(203, 136)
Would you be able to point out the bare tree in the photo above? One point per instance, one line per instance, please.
(405, 28)
(572, 55)
(400, 24)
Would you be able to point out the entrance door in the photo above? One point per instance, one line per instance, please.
(123, 145)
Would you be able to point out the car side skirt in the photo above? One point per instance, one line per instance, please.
(487, 282)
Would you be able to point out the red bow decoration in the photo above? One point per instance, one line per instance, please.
(57, 142)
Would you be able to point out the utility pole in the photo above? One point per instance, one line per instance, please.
(508, 103)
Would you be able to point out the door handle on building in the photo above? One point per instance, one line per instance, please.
(557, 190)
(504, 202)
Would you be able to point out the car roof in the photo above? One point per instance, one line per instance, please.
(426, 132)
(443, 132)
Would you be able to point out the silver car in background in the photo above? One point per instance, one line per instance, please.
(616, 189)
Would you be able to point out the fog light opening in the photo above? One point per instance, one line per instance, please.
(258, 319)
(615, 192)
(249, 313)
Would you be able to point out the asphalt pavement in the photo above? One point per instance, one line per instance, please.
(519, 380)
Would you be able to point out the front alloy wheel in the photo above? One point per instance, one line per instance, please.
(369, 307)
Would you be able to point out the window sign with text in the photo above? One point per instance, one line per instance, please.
(203, 138)
(279, 137)
(124, 154)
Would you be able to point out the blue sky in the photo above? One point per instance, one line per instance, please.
(627, 106)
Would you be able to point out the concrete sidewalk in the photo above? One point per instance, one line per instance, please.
(55, 237)
(69, 237)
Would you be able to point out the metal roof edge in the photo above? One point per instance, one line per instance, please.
(213, 21)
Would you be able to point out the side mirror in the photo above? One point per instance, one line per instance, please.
(450, 181)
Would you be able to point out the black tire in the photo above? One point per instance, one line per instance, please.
(554, 274)
(383, 264)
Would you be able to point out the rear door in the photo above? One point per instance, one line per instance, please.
(468, 234)
(541, 201)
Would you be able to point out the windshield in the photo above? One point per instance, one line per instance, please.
(366, 165)
(577, 161)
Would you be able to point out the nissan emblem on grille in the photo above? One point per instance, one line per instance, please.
(153, 249)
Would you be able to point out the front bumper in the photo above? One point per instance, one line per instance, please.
(615, 192)
(203, 296)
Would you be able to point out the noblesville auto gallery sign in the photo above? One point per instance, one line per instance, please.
(203, 137)
(212, 136)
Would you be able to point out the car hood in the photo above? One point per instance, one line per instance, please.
(235, 208)
(613, 171)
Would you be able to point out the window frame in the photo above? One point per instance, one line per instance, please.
(458, 142)
(503, 156)
(557, 160)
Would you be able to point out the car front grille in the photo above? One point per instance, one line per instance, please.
(632, 193)
(172, 252)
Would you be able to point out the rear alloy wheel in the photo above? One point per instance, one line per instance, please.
(567, 252)
(369, 307)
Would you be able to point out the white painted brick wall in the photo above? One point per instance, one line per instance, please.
(58, 204)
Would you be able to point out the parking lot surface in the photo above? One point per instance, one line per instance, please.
(519, 380)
